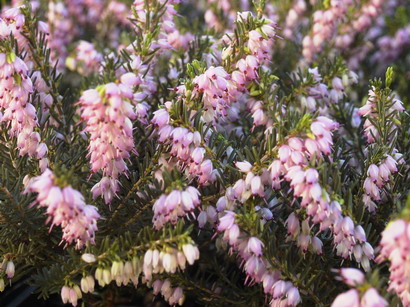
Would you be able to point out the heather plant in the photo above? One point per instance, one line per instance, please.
(222, 153)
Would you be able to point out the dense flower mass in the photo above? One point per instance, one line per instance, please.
(217, 90)
(394, 245)
(65, 207)
(255, 265)
(185, 146)
(251, 153)
(19, 114)
(108, 112)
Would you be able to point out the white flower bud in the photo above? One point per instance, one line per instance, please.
(78, 291)
(117, 269)
(191, 253)
(84, 285)
(106, 276)
(99, 276)
(89, 258)
(226, 52)
(128, 269)
(91, 283)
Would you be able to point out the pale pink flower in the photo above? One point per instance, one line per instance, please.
(372, 298)
(352, 277)
(347, 299)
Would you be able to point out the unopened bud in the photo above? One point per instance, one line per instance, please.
(89, 258)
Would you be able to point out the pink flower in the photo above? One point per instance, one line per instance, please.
(360, 234)
(257, 187)
(284, 153)
(255, 246)
(317, 245)
(347, 299)
(65, 294)
(226, 221)
(292, 223)
(161, 118)
(352, 277)
(373, 172)
(293, 296)
(372, 298)
(10, 269)
(311, 175)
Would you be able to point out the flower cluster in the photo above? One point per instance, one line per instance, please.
(206, 139)
(253, 183)
(168, 31)
(154, 262)
(316, 93)
(20, 115)
(293, 165)
(87, 284)
(43, 93)
(87, 60)
(260, 45)
(321, 96)
(222, 89)
(370, 111)
(255, 265)
(71, 295)
(360, 23)
(225, 6)
(146, 87)
(168, 208)
(65, 207)
(302, 233)
(293, 18)
(172, 295)
(377, 177)
(107, 112)
(119, 12)
(85, 12)
(62, 31)
(369, 297)
(325, 23)
(12, 21)
(394, 248)
(217, 89)
(121, 272)
(168, 260)
(186, 145)
(390, 47)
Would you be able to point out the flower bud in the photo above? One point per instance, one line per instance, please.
(89, 258)
(10, 270)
